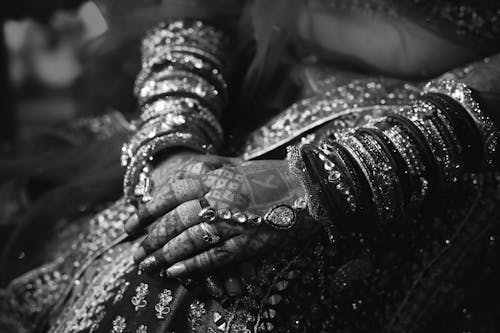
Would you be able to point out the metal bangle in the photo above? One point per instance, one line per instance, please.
(463, 95)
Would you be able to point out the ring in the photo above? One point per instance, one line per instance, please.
(207, 213)
(209, 237)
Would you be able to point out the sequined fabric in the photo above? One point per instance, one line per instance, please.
(477, 20)
(361, 285)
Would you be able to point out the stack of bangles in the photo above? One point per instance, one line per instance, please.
(181, 91)
(399, 162)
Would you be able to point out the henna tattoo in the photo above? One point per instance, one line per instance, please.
(227, 199)
(174, 194)
(252, 188)
(169, 226)
(267, 188)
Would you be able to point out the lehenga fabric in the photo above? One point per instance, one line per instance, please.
(432, 270)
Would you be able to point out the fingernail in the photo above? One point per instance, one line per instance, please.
(140, 254)
(233, 287)
(176, 270)
(151, 263)
(132, 224)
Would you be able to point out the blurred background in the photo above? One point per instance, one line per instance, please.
(62, 71)
(53, 72)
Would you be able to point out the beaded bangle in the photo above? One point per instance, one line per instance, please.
(455, 146)
(452, 145)
(171, 72)
(328, 202)
(297, 166)
(183, 33)
(411, 156)
(384, 177)
(158, 129)
(465, 130)
(463, 95)
(368, 164)
(180, 61)
(391, 152)
(338, 180)
(178, 111)
(349, 174)
(187, 86)
(422, 116)
(145, 154)
(411, 131)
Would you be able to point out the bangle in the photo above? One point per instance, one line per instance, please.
(179, 111)
(412, 157)
(180, 61)
(422, 115)
(186, 86)
(395, 158)
(430, 165)
(466, 131)
(329, 203)
(183, 33)
(337, 180)
(348, 174)
(368, 164)
(172, 74)
(384, 178)
(145, 154)
(463, 95)
(297, 165)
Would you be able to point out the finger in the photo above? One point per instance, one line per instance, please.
(192, 241)
(170, 196)
(169, 226)
(226, 253)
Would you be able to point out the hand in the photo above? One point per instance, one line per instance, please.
(181, 169)
(179, 239)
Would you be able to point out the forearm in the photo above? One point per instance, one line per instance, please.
(182, 92)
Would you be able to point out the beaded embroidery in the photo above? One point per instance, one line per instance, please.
(119, 325)
(139, 300)
(162, 307)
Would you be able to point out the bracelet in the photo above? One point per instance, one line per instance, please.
(187, 86)
(168, 74)
(466, 131)
(412, 132)
(340, 183)
(342, 174)
(146, 134)
(297, 165)
(187, 62)
(463, 95)
(411, 156)
(368, 164)
(280, 217)
(182, 33)
(384, 177)
(145, 155)
(395, 158)
(422, 116)
(179, 111)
